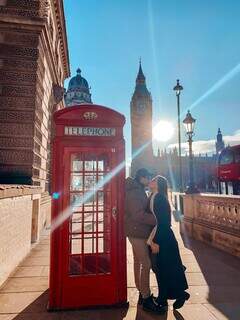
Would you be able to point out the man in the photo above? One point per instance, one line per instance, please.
(138, 225)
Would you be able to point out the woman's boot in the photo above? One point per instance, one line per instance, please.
(180, 301)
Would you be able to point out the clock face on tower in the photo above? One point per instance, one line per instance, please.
(140, 107)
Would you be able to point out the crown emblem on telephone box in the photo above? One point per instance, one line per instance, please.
(90, 115)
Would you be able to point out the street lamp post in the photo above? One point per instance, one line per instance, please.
(178, 88)
(189, 123)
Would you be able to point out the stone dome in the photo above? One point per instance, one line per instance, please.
(78, 82)
(78, 91)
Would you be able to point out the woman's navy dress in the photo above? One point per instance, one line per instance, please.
(167, 264)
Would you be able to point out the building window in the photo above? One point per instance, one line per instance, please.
(227, 157)
(237, 156)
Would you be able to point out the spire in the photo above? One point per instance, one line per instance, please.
(141, 88)
(175, 152)
(140, 77)
(220, 143)
(219, 135)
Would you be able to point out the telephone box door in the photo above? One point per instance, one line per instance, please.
(89, 234)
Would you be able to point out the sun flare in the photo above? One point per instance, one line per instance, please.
(163, 131)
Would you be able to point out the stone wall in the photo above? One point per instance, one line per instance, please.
(23, 214)
(45, 206)
(213, 219)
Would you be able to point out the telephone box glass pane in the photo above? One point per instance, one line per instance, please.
(90, 181)
(90, 223)
(77, 182)
(77, 165)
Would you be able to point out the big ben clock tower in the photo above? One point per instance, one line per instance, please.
(141, 125)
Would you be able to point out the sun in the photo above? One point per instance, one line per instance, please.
(163, 131)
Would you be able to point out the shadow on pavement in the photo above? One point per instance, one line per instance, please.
(37, 310)
(222, 274)
(177, 315)
(141, 315)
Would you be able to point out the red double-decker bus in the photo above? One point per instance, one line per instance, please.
(228, 170)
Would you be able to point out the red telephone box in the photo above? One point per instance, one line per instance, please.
(88, 249)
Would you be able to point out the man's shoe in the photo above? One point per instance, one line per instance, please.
(140, 299)
(180, 301)
(149, 305)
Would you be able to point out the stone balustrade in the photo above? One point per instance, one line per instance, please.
(223, 212)
(214, 219)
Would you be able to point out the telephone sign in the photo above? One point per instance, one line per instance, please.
(90, 131)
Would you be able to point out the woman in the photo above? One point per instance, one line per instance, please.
(166, 260)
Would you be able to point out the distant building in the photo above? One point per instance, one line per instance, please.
(141, 123)
(78, 91)
(167, 164)
(220, 145)
(164, 163)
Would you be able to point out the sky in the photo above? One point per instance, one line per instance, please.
(195, 41)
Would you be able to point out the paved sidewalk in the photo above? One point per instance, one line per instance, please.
(213, 276)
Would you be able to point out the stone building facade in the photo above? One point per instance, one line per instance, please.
(33, 65)
(167, 164)
(164, 163)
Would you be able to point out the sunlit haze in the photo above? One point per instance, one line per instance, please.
(106, 39)
(163, 131)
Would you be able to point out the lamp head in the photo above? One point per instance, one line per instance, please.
(189, 123)
(178, 88)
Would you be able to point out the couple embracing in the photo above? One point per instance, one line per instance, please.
(148, 228)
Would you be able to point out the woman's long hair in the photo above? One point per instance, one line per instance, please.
(162, 185)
